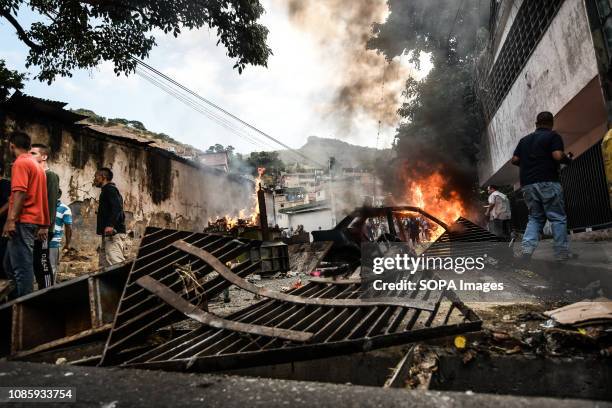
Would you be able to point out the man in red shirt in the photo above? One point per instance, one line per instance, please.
(28, 215)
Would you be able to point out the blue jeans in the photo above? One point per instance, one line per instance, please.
(19, 261)
(545, 202)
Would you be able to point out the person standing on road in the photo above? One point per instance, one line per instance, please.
(415, 230)
(28, 215)
(499, 212)
(539, 156)
(43, 270)
(111, 219)
(63, 222)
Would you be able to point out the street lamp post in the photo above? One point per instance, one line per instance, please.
(332, 162)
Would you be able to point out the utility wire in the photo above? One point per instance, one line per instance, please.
(198, 107)
(225, 112)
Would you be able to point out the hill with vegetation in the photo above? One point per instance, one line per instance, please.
(345, 154)
(135, 129)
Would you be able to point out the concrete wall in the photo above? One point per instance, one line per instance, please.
(562, 65)
(311, 220)
(159, 189)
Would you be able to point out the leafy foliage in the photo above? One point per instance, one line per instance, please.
(219, 148)
(269, 160)
(429, 26)
(441, 124)
(71, 34)
(9, 79)
(93, 117)
(439, 115)
(439, 112)
(272, 164)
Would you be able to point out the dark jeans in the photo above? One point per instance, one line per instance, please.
(43, 272)
(3, 274)
(18, 261)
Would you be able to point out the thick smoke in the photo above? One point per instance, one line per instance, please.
(366, 37)
(367, 83)
(441, 128)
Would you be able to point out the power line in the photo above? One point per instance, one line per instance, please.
(224, 111)
(202, 109)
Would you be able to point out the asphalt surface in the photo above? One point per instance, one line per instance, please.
(114, 388)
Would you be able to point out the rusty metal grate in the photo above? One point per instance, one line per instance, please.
(140, 313)
(463, 238)
(333, 318)
(74, 312)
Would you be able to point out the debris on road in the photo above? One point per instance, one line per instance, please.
(583, 313)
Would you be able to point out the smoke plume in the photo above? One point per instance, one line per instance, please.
(366, 82)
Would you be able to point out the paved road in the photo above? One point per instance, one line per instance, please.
(115, 388)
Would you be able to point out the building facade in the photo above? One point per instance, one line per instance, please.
(549, 55)
(159, 188)
(313, 216)
(217, 160)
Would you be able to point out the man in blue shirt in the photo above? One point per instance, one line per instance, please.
(63, 222)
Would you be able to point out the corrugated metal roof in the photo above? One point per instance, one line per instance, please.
(28, 105)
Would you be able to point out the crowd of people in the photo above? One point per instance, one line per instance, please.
(290, 232)
(417, 228)
(35, 221)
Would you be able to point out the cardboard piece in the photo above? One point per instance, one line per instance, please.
(594, 311)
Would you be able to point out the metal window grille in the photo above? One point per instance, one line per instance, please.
(530, 24)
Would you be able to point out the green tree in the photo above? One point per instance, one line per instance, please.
(9, 80)
(269, 160)
(137, 125)
(441, 123)
(92, 116)
(117, 121)
(439, 114)
(263, 159)
(164, 137)
(218, 148)
(429, 26)
(71, 34)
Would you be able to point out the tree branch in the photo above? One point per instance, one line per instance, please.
(114, 3)
(23, 36)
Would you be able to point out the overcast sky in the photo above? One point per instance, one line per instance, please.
(291, 99)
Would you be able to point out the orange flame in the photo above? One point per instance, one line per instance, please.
(253, 216)
(431, 194)
(255, 211)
